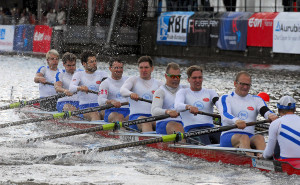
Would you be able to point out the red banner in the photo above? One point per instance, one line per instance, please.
(42, 38)
(260, 29)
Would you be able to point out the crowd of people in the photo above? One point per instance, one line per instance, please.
(184, 104)
(15, 16)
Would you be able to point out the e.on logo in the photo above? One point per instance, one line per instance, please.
(41, 36)
(254, 22)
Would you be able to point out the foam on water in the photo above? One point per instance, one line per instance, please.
(20, 164)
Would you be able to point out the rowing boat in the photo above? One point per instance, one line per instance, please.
(211, 153)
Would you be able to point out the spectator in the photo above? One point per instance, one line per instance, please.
(61, 17)
(32, 18)
(51, 17)
(23, 19)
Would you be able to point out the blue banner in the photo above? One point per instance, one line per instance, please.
(172, 28)
(233, 31)
(23, 38)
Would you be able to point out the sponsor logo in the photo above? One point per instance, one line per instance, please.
(157, 97)
(250, 108)
(206, 99)
(243, 115)
(98, 82)
(177, 24)
(153, 92)
(281, 27)
(93, 88)
(41, 36)
(2, 34)
(118, 96)
(253, 22)
(147, 96)
(236, 30)
(199, 105)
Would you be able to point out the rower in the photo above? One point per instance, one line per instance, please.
(197, 99)
(285, 130)
(46, 74)
(164, 99)
(62, 84)
(84, 81)
(142, 86)
(238, 108)
(109, 93)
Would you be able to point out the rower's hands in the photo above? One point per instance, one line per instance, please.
(272, 117)
(134, 96)
(194, 110)
(240, 124)
(115, 103)
(42, 80)
(67, 92)
(172, 113)
(83, 89)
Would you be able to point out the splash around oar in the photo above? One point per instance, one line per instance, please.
(166, 138)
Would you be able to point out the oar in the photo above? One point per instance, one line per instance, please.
(209, 114)
(30, 102)
(166, 138)
(109, 126)
(66, 114)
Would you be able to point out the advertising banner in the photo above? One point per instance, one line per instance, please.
(286, 33)
(233, 31)
(199, 29)
(215, 29)
(260, 29)
(6, 37)
(42, 38)
(23, 38)
(172, 28)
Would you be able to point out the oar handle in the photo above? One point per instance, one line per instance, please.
(145, 100)
(209, 114)
(94, 109)
(49, 83)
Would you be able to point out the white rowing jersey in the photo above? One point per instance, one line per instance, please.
(110, 90)
(285, 130)
(65, 78)
(201, 99)
(233, 107)
(49, 75)
(144, 88)
(164, 99)
(92, 81)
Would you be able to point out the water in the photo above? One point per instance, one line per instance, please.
(19, 162)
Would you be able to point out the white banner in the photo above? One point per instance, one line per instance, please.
(7, 37)
(172, 28)
(286, 33)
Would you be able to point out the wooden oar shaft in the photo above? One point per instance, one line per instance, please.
(166, 138)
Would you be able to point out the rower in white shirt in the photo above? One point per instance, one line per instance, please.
(164, 99)
(285, 131)
(239, 107)
(46, 74)
(109, 93)
(90, 79)
(63, 79)
(141, 87)
(197, 99)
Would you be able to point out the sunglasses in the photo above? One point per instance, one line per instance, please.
(244, 84)
(173, 76)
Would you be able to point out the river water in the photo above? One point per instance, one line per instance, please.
(142, 165)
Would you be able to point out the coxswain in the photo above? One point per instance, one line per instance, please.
(142, 86)
(88, 80)
(195, 99)
(63, 79)
(45, 76)
(109, 93)
(240, 107)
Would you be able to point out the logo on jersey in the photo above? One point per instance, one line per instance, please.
(93, 87)
(206, 99)
(157, 97)
(103, 91)
(153, 92)
(147, 96)
(250, 108)
(98, 82)
(199, 105)
(118, 96)
(243, 115)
